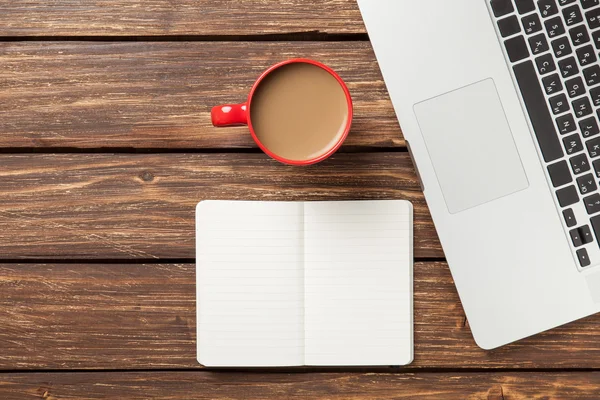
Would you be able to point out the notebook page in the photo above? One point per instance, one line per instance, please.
(249, 287)
(358, 283)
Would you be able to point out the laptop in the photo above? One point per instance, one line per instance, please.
(499, 102)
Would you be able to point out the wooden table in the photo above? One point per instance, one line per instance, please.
(106, 147)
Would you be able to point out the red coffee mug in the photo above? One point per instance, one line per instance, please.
(239, 114)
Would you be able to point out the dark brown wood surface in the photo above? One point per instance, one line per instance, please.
(159, 95)
(181, 17)
(331, 386)
(142, 316)
(105, 149)
(141, 206)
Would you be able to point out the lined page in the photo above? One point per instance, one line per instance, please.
(249, 284)
(358, 283)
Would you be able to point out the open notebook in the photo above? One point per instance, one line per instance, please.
(294, 284)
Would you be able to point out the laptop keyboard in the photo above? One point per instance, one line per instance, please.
(553, 47)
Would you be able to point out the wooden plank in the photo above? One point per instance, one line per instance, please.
(135, 316)
(127, 206)
(159, 95)
(183, 17)
(331, 386)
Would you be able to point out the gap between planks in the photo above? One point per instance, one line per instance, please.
(312, 36)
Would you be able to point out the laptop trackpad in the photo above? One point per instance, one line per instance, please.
(471, 146)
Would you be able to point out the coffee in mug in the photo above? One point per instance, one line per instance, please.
(299, 112)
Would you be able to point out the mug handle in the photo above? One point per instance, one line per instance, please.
(230, 115)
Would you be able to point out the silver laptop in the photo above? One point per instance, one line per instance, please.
(499, 101)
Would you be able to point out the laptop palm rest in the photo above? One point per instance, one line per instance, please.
(471, 146)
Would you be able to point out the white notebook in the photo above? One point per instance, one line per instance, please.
(304, 284)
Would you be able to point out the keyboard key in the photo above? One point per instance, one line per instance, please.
(502, 7)
(547, 8)
(596, 222)
(538, 44)
(531, 24)
(554, 27)
(567, 196)
(586, 184)
(509, 26)
(575, 87)
(589, 127)
(593, 18)
(566, 124)
(580, 164)
(573, 144)
(572, 15)
(525, 6)
(596, 225)
(589, 3)
(596, 39)
(596, 165)
(545, 64)
(586, 55)
(582, 107)
(552, 84)
(586, 234)
(535, 102)
(593, 147)
(568, 67)
(576, 238)
(559, 104)
(592, 75)
(579, 35)
(569, 217)
(561, 47)
(595, 93)
(516, 49)
(584, 259)
(592, 205)
(560, 174)
(565, 2)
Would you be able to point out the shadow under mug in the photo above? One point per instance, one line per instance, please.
(239, 114)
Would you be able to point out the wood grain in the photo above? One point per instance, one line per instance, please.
(182, 17)
(155, 91)
(159, 95)
(142, 316)
(332, 386)
(128, 206)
